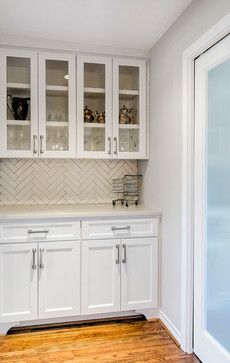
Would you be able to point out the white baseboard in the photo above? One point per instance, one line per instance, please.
(171, 327)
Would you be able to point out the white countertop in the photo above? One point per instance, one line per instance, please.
(75, 211)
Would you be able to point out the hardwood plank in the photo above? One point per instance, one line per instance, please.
(142, 341)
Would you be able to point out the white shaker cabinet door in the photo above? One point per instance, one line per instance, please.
(18, 282)
(59, 279)
(139, 273)
(100, 276)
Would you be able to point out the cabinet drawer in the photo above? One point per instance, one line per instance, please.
(23, 232)
(125, 228)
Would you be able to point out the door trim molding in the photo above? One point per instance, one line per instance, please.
(212, 36)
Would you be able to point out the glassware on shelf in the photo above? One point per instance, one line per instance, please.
(56, 116)
(129, 140)
(94, 139)
(18, 137)
(57, 138)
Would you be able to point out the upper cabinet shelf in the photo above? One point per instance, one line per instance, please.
(128, 92)
(43, 113)
(18, 85)
(94, 90)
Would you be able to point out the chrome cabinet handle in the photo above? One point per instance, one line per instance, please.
(120, 228)
(118, 254)
(115, 140)
(124, 259)
(30, 231)
(34, 144)
(110, 145)
(41, 145)
(41, 251)
(34, 250)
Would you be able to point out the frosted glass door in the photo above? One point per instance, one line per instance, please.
(212, 217)
(57, 105)
(18, 103)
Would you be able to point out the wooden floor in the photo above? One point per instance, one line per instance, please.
(138, 341)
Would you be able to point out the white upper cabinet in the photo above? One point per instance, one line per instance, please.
(48, 112)
(57, 105)
(111, 108)
(18, 103)
(94, 108)
(37, 114)
(129, 109)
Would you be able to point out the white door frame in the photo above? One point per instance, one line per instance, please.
(212, 36)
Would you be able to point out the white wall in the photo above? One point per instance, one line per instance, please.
(162, 181)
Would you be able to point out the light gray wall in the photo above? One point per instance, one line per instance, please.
(162, 181)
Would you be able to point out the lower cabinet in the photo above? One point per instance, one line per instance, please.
(52, 269)
(100, 276)
(59, 279)
(119, 274)
(139, 273)
(18, 282)
(40, 279)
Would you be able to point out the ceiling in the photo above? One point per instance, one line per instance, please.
(134, 24)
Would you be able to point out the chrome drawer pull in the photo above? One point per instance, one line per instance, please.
(115, 140)
(34, 144)
(118, 254)
(120, 228)
(110, 146)
(124, 259)
(41, 146)
(34, 250)
(41, 251)
(30, 231)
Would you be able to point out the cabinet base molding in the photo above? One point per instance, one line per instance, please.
(5, 327)
(92, 318)
(151, 313)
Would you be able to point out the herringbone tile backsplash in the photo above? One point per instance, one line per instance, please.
(60, 181)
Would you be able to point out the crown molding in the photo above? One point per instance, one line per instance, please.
(7, 40)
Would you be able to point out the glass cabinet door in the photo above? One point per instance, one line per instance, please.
(129, 115)
(94, 107)
(18, 104)
(57, 106)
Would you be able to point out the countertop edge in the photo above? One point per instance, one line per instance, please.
(84, 215)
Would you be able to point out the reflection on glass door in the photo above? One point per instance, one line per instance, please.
(18, 100)
(57, 116)
(94, 106)
(129, 108)
(129, 129)
(18, 104)
(212, 205)
(57, 136)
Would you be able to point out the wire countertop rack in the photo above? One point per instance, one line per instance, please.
(127, 189)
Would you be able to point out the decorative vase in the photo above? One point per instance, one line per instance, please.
(19, 107)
